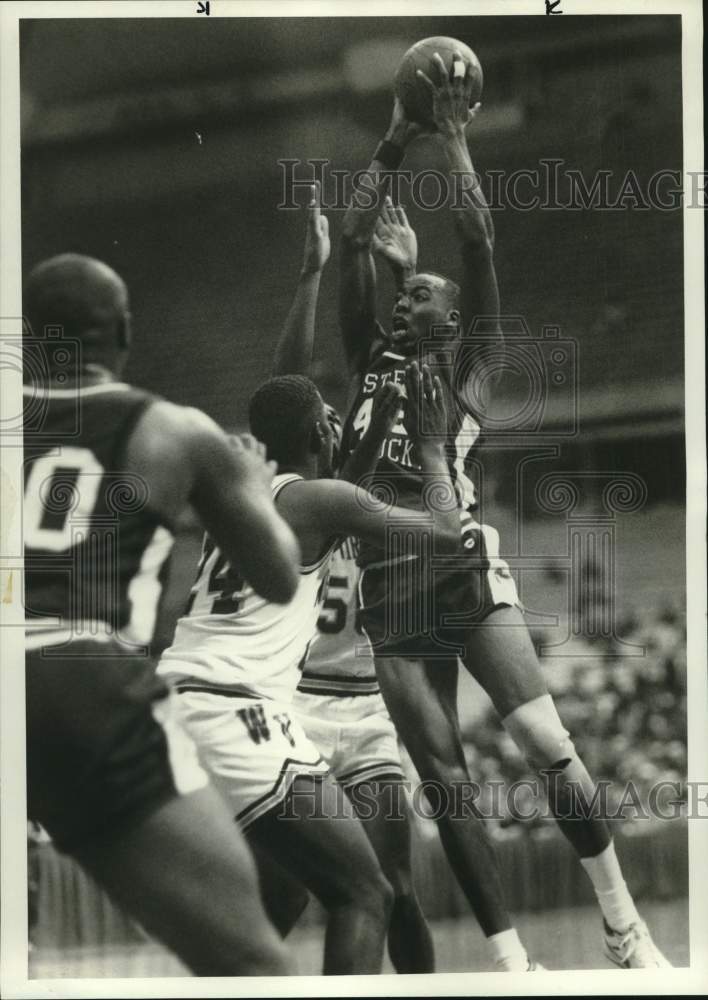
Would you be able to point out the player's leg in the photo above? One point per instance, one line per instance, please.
(116, 782)
(422, 701)
(380, 804)
(315, 835)
(501, 657)
(281, 792)
(185, 874)
(284, 896)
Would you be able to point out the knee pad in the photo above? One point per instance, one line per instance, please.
(538, 732)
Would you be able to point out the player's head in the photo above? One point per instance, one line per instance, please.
(288, 415)
(426, 302)
(335, 423)
(87, 300)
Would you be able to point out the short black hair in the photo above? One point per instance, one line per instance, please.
(452, 290)
(280, 415)
(82, 295)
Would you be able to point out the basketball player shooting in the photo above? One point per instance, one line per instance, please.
(418, 670)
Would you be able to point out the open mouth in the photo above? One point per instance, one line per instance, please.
(399, 324)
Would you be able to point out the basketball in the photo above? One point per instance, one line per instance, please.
(413, 92)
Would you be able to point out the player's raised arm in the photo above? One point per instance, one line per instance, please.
(385, 411)
(395, 242)
(357, 285)
(473, 221)
(322, 509)
(451, 94)
(293, 352)
(185, 458)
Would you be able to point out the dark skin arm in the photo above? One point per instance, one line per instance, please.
(363, 460)
(293, 352)
(473, 220)
(186, 461)
(395, 242)
(319, 511)
(357, 284)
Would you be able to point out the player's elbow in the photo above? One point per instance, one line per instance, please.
(277, 585)
(279, 588)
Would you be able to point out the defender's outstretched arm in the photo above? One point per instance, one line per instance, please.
(321, 510)
(395, 242)
(293, 352)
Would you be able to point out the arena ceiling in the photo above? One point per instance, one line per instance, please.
(69, 59)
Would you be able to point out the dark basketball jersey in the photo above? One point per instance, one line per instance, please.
(397, 477)
(94, 553)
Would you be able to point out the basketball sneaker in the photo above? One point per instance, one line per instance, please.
(633, 948)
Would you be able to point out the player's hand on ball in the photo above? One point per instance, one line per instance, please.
(451, 94)
(394, 237)
(317, 242)
(426, 416)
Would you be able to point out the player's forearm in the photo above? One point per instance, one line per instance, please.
(357, 305)
(401, 274)
(471, 212)
(439, 494)
(229, 489)
(293, 352)
(479, 348)
(360, 217)
(256, 540)
(363, 460)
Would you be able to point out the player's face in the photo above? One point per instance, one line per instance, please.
(335, 424)
(423, 304)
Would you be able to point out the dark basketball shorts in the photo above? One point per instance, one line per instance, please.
(104, 749)
(424, 608)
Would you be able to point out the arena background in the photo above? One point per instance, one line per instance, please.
(154, 145)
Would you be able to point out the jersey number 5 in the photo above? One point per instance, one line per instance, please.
(333, 616)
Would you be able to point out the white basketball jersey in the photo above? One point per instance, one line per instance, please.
(341, 661)
(232, 639)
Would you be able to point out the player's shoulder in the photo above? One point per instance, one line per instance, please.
(164, 417)
(168, 432)
(307, 491)
(317, 503)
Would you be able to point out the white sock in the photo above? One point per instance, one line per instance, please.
(611, 889)
(508, 952)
